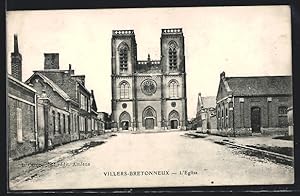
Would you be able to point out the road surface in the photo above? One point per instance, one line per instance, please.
(158, 160)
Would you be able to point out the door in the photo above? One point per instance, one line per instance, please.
(149, 123)
(174, 124)
(255, 120)
(125, 125)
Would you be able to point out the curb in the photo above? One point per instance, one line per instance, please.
(274, 154)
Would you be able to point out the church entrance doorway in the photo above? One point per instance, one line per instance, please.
(255, 119)
(149, 123)
(124, 121)
(149, 118)
(173, 120)
(125, 125)
(174, 124)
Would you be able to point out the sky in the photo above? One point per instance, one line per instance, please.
(242, 41)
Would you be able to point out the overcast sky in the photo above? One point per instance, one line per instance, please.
(242, 41)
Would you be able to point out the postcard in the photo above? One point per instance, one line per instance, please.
(149, 97)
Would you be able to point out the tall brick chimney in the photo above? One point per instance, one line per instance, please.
(51, 61)
(16, 61)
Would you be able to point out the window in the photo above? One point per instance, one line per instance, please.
(83, 102)
(173, 88)
(19, 125)
(59, 124)
(282, 116)
(93, 124)
(172, 55)
(64, 123)
(53, 120)
(123, 57)
(124, 90)
(69, 124)
(222, 118)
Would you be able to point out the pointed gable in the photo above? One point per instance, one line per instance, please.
(55, 88)
(224, 88)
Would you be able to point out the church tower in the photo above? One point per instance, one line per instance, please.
(16, 61)
(124, 58)
(174, 103)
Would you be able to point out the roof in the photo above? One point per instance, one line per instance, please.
(10, 77)
(152, 66)
(53, 85)
(260, 85)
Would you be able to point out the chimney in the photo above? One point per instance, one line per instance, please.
(71, 72)
(16, 61)
(51, 61)
(222, 75)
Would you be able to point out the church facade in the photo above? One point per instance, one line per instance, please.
(148, 94)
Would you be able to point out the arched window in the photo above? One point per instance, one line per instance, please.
(173, 88)
(282, 116)
(222, 118)
(173, 55)
(124, 90)
(123, 57)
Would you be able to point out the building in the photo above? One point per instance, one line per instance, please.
(290, 121)
(148, 94)
(105, 118)
(70, 106)
(206, 114)
(253, 105)
(21, 110)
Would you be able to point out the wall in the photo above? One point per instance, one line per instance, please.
(24, 99)
(269, 113)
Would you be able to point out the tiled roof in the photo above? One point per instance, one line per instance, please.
(260, 85)
(54, 86)
(10, 77)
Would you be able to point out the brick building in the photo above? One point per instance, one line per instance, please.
(105, 118)
(206, 113)
(71, 107)
(148, 94)
(21, 110)
(253, 105)
(54, 113)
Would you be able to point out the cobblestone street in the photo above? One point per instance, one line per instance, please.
(160, 160)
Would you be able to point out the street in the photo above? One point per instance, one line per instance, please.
(158, 160)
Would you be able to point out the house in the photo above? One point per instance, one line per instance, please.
(55, 111)
(290, 120)
(253, 105)
(206, 113)
(21, 110)
(71, 107)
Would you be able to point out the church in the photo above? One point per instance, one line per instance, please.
(148, 94)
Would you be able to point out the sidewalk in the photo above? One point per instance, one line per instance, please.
(267, 143)
(26, 165)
